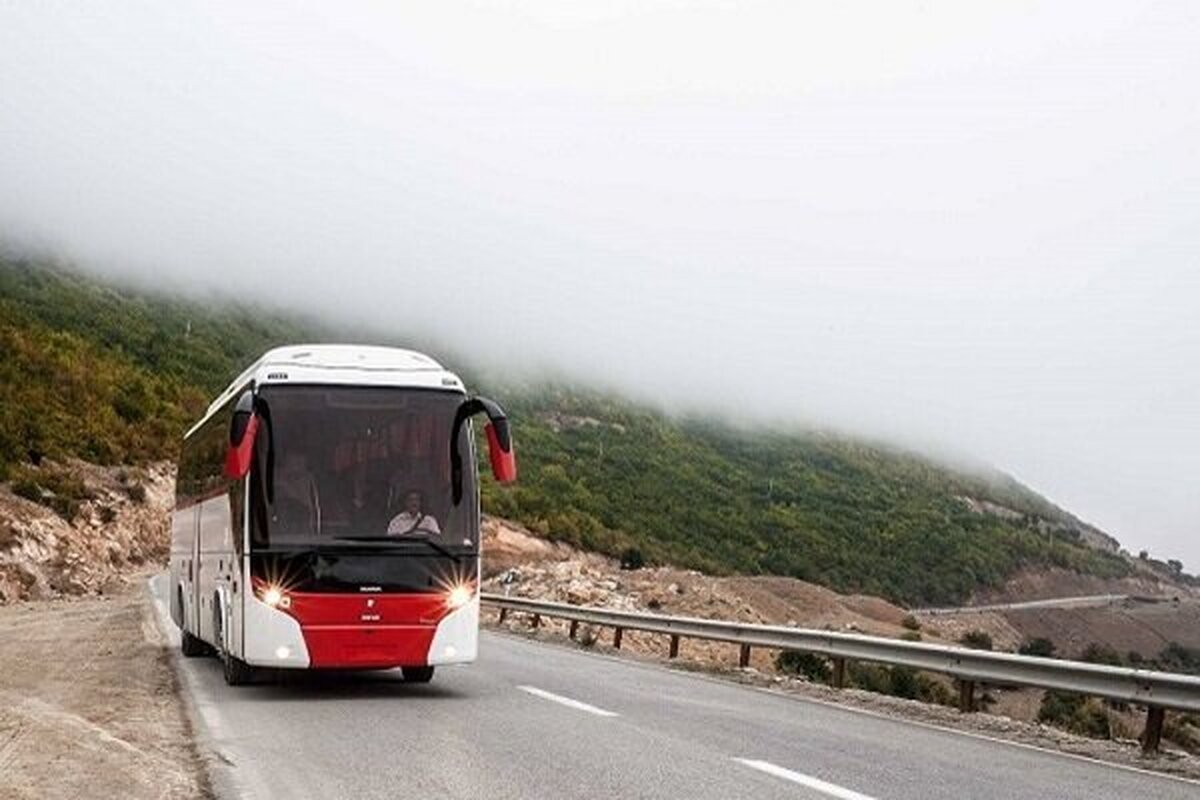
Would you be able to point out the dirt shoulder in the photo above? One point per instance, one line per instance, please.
(89, 703)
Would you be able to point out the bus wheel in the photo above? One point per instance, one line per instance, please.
(237, 672)
(417, 674)
(192, 647)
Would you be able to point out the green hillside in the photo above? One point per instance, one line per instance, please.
(604, 474)
(113, 375)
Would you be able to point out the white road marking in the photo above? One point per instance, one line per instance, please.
(566, 701)
(831, 789)
(842, 705)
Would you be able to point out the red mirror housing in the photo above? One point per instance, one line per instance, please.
(504, 461)
(499, 437)
(239, 456)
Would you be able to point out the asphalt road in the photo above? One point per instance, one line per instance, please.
(1082, 601)
(531, 720)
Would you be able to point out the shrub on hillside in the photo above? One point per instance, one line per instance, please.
(55, 488)
(911, 622)
(1038, 646)
(27, 488)
(1097, 653)
(1076, 713)
(813, 667)
(976, 640)
(1183, 730)
(904, 682)
(632, 558)
(1177, 658)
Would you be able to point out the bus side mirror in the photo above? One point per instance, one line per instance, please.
(243, 429)
(500, 451)
(500, 446)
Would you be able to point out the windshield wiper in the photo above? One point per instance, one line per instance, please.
(399, 540)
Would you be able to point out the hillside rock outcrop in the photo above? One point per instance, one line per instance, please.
(116, 527)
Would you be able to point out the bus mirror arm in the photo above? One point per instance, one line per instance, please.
(263, 411)
(500, 445)
(243, 429)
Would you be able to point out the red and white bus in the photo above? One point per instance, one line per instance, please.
(327, 515)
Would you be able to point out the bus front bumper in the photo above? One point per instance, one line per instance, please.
(278, 639)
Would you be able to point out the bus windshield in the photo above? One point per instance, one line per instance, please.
(361, 467)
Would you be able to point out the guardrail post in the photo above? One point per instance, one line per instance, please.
(503, 613)
(744, 656)
(839, 673)
(574, 628)
(966, 696)
(674, 646)
(536, 621)
(1153, 733)
(617, 638)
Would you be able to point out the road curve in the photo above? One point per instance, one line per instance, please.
(1082, 601)
(530, 720)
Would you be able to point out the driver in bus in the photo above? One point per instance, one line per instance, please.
(413, 519)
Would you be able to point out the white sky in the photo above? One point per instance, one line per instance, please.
(970, 227)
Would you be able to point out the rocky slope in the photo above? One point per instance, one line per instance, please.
(519, 563)
(112, 525)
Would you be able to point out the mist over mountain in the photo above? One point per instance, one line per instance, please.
(967, 231)
(111, 374)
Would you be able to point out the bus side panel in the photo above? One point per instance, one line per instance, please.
(180, 582)
(241, 587)
(216, 567)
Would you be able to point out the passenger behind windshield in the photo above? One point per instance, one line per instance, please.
(297, 505)
(413, 520)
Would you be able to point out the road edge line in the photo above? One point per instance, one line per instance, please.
(218, 768)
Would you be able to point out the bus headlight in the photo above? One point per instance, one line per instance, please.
(459, 596)
(275, 598)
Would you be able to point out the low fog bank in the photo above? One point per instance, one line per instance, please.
(966, 230)
(1068, 461)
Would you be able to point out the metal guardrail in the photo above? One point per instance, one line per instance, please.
(1155, 690)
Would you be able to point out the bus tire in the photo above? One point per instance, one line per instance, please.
(191, 647)
(417, 674)
(237, 672)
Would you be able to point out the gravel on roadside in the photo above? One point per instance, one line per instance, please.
(90, 705)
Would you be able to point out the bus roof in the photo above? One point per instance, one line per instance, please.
(340, 364)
